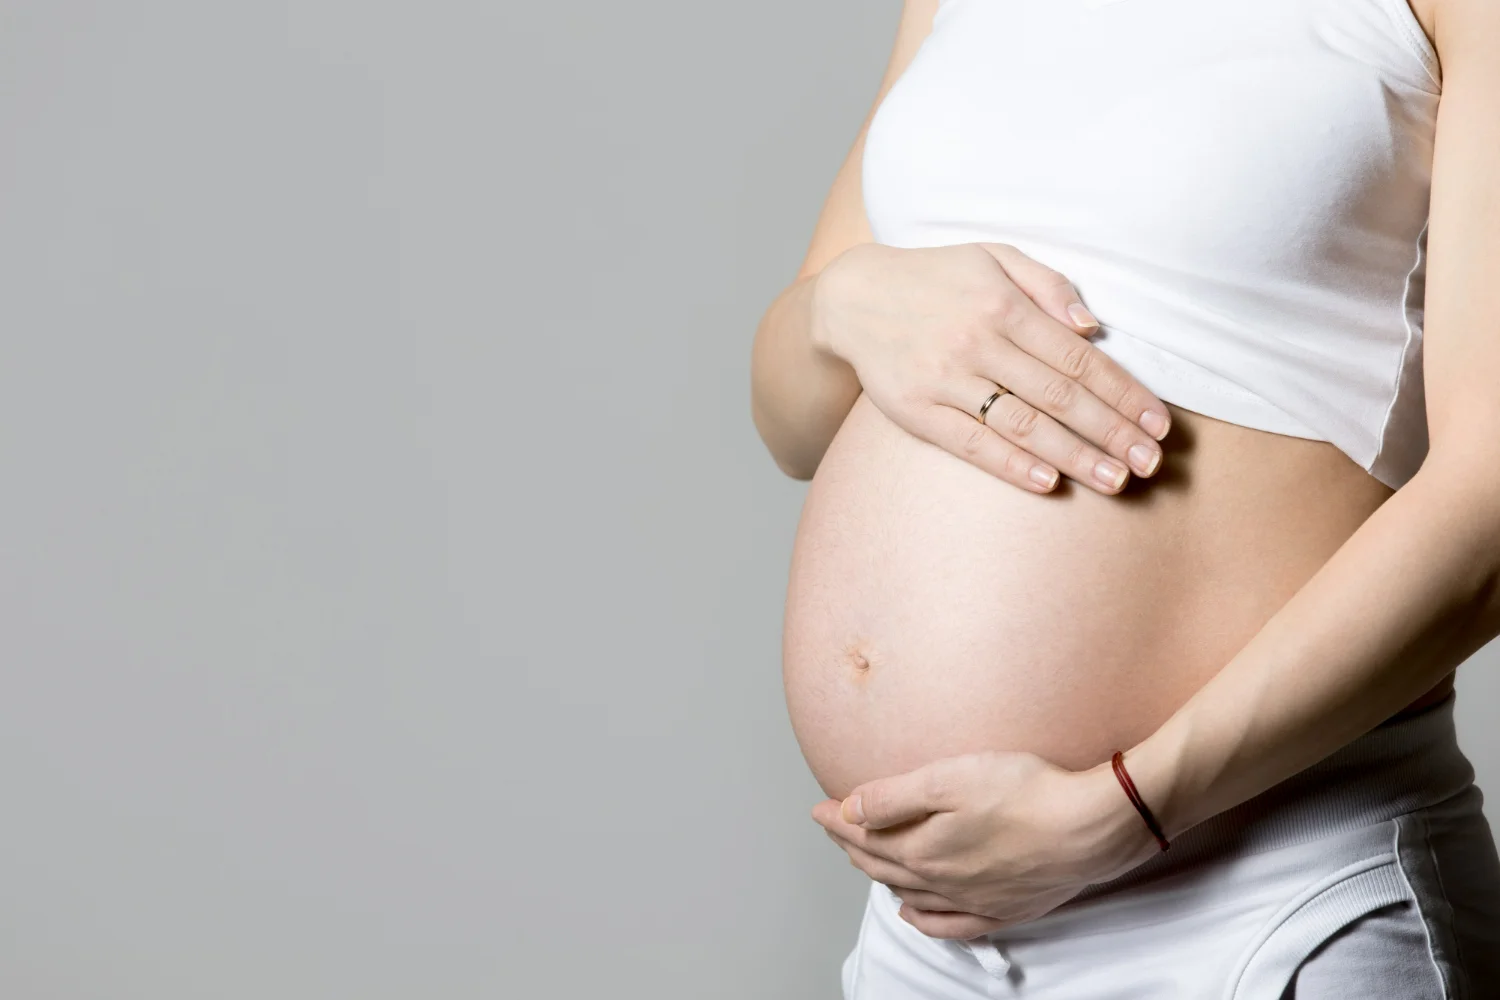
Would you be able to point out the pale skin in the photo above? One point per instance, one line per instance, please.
(928, 334)
(975, 843)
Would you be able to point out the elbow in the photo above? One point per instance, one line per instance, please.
(802, 472)
(793, 462)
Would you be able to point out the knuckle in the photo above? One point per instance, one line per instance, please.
(1080, 456)
(1077, 360)
(1002, 306)
(965, 339)
(936, 870)
(946, 365)
(1060, 394)
(1118, 435)
(964, 869)
(1110, 385)
(973, 441)
(895, 852)
(1134, 401)
(921, 866)
(1000, 250)
(1055, 281)
(1021, 420)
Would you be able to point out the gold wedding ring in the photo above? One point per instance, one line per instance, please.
(991, 402)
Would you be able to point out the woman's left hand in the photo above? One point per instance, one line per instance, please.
(975, 843)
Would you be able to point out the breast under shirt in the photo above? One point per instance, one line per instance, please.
(1238, 189)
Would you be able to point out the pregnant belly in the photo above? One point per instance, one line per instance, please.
(933, 610)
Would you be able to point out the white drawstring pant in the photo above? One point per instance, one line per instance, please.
(1372, 874)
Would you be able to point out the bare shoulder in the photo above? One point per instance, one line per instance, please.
(842, 223)
(1457, 26)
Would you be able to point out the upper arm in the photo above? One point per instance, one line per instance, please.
(1461, 345)
(842, 223)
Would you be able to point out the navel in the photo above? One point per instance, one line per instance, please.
(857, 657)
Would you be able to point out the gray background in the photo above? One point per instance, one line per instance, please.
(392, 576)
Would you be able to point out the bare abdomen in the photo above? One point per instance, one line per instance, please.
(934, 610)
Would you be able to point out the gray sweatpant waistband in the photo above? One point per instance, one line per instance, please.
(1396, 768)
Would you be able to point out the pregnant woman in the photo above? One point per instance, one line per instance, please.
(1145, 362)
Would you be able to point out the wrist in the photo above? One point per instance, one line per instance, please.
(1158, 767)
(820, 333)
(830, 290)
(1111, 830)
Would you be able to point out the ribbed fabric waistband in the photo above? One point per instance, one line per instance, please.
(1398, 767)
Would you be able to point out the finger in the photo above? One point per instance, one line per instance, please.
(826, 811)
(1042, 436)
(831, 819)
(1059, 395)
(886, 844)
(829, 815)
(923, 900)
(1056, 343)
(959, 433)
(884, 870)
(953, 926)
(901, 798)
(894, 845)
(1051, 290)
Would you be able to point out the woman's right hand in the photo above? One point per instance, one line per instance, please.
(930, 331)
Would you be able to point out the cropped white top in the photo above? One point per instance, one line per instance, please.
(1238, 189)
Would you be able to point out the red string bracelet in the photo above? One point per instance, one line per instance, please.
(1118, 762)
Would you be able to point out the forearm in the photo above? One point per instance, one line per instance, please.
(799, 392)
(1409, 596)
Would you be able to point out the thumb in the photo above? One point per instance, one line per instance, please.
(1053, 293)
(885, 802)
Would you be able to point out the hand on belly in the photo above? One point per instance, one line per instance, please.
(951, 622)
(934, 611)
(982, 841)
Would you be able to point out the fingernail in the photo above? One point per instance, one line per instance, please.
(1144, 458)
(1155, 423)
(854, 810)
(1081, 315)
(1111, 474)
(1043, 476)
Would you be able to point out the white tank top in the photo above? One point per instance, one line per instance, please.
(1237, 188)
